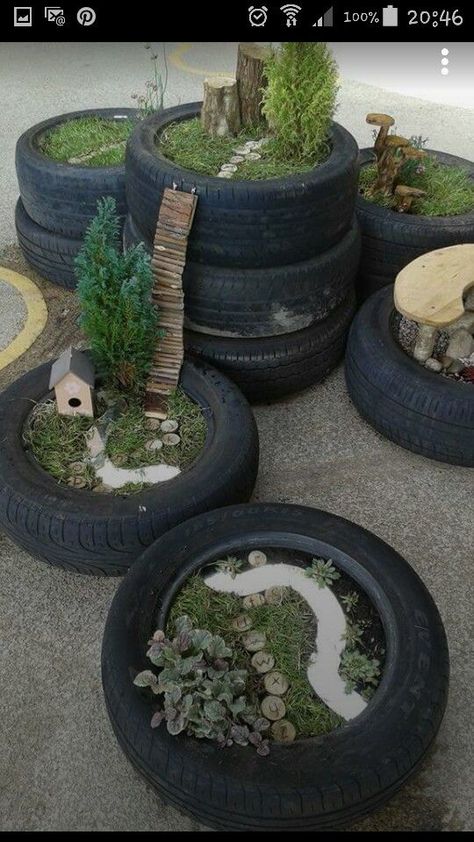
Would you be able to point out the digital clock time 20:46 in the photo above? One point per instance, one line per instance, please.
(433, 17)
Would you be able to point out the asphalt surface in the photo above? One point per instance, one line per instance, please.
(60, 766)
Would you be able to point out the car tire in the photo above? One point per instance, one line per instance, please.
(103, 534)
(418, 409)
(314, 784)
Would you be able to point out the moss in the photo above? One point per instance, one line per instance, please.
(185, 143)
(99, 141)
(450, 190)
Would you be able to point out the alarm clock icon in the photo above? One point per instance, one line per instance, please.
(258, 15)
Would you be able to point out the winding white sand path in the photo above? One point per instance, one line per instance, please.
(324, 663)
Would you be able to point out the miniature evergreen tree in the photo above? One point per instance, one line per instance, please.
(300, 99)
(114, 291)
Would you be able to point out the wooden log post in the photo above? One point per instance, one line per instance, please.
(251, 81)
(220, 114)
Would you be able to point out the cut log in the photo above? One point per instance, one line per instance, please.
(220, 114)
(251, 81)
(174, 225)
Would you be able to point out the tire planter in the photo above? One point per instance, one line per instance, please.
(414, 407)
(277, 300)
(63, 197)
(51, 255)
(246, 224)
(272, 367)
(311, 784)
(103, 534)
(391, 240)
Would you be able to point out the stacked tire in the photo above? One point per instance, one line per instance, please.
(390, 240)
(58, 200)
(271, 265)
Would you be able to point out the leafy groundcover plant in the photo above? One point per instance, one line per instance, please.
(201, 694)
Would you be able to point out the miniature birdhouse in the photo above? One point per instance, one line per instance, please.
(73, 378)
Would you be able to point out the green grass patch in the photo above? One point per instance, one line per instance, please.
(290, 629)
(185, 143)
(58, 441)
(99, 142)
(450, 190)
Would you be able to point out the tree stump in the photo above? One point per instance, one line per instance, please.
(251, 81)
(220, 114)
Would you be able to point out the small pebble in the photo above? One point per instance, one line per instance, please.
(273, 707)
(242, 623)
(228, 168)
(253, 156)
(251, 144)
(169, 426)
(275, 595)
(242, 150)
(433, 365)
(262, 661)
(171, 439)
(276, 683)
(77, 467)
(119, 461)
(253, 600)
(224, 174)
(254, 641)
(154, 444)
(153, 423)
(283, 731)
(237, 159)
(256, 558)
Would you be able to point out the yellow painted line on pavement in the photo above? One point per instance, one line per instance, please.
(36, 315)
(177, 60)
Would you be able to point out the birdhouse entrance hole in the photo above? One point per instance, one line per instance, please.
(74, 402)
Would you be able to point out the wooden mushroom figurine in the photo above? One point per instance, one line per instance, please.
(389, 163)
(73, 379)
(405, 195)
(384, 122)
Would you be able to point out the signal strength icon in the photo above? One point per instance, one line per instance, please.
(327, 19)
(291, 11)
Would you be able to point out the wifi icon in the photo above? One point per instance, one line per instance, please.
(290, 10)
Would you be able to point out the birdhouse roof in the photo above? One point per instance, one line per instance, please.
(73, 362)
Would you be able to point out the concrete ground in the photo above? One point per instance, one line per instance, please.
(60, 766)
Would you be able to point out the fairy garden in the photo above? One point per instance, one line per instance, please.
(407, 178)
(94, 432)
(265, 647)
(271, 120)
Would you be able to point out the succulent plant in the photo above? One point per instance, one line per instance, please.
(323, 572)
(350, 600)
(200, 693)
(353, 635)
(357, 668)
(230, 565)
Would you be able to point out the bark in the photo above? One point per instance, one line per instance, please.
(220, 115)
(251, 82)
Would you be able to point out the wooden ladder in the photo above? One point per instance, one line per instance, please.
(169, 259)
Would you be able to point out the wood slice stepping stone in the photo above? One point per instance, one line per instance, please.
(262, 662)
(256, 558)
(168, 261)
(253, 600)
(242, 623)
(276, 683)
(273, 708)
(283, 731)
(430, 289)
